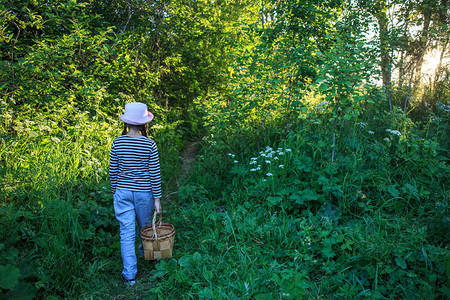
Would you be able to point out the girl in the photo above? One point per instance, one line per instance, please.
(135, 182)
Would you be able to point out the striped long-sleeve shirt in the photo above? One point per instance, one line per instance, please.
(134, 165)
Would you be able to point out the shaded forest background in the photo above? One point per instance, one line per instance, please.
(324, 129)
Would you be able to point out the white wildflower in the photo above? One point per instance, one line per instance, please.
(386, 139)
(370, 132)
(269, 174)
(443, 106)
(253, 162)
(231, 154)
(323, 103)
(288, 150)
(275, 158)
(396, 132)
(253, 170)
(235, 161)
(268, 161)
(281, 166)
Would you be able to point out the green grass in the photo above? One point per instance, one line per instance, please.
(56, 206)
(371, 225)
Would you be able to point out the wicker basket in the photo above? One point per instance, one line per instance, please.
(158, 239)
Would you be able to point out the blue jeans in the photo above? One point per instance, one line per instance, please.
(129, 206)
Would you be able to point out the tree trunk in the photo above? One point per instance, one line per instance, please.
(412, 76)
(423, 44)
(441, 57)
(382, 19)
(262, 14)
(384, 47)
(401, 69)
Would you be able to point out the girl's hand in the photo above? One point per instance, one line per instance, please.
(158, 205)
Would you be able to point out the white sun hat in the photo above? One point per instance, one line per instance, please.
(136, 114)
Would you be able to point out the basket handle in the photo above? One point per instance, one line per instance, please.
(155, 234)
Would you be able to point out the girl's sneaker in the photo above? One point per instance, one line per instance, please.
(128, 282)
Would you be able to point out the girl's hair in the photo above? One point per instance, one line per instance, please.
(142, 128)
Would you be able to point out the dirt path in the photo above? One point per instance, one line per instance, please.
(188, 156)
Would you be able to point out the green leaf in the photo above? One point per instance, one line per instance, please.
(186, 261)
(323, 180)
(331, 169)
(328, 252)
(159, 274)
(400, 262)
(9, 276)
(23, 291)
(274, 200)
(197, 256)
(447, 267)
(208, 275)
(296, 197)
(393, 191)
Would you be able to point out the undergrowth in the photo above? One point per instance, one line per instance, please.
(56, 211)
(267, 217)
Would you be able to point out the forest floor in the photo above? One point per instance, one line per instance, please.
(188, 156)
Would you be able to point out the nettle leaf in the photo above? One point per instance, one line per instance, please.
(9, 276)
